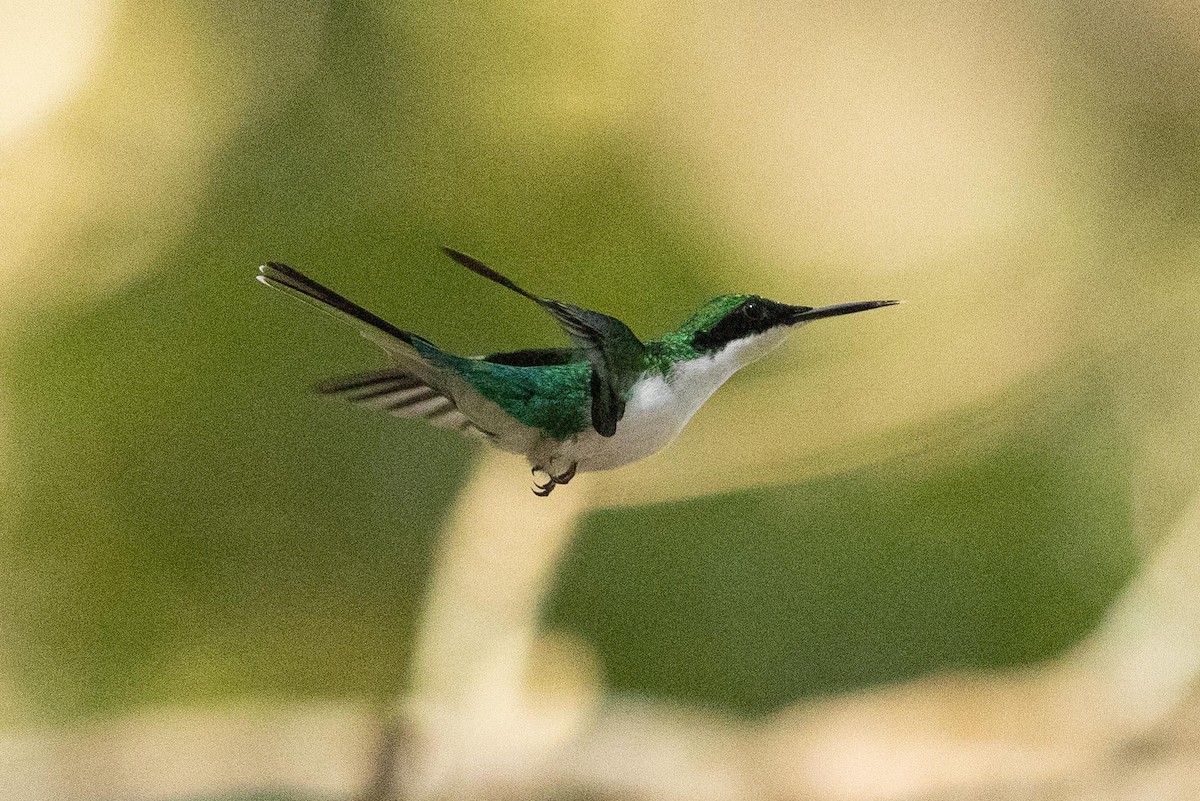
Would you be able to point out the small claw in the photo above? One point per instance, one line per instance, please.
(542, 490)
(567, 476)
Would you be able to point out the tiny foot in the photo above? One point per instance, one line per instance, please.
(567, 476)
(542, 490)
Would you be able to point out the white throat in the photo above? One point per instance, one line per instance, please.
(698, 379)
(660, 406)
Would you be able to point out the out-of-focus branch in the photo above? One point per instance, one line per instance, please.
(1077, 726)
(1028, 729)
(301, 750)
(473, 717)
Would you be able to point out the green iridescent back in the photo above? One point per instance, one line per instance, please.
(556, 398)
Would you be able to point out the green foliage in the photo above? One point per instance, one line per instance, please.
(751, 600)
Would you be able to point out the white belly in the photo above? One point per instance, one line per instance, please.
(659, 408)
(654, 415)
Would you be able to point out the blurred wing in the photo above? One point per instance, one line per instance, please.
(404, 395)
(615, 353)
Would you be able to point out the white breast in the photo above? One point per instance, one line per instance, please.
(661, 406)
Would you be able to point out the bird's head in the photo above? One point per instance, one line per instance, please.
(754, 323)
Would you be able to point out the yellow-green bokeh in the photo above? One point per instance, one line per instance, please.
(191, 524)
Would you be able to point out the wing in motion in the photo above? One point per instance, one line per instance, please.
(401, 394)
(615, 353)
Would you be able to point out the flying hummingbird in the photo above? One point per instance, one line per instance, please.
(608, 400)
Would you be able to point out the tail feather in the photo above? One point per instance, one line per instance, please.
(298, 285)
(416, 386)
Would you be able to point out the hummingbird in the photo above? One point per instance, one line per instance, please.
(605, 401)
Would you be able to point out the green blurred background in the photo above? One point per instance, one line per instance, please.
(188, 523)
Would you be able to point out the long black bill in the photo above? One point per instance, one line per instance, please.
(804, 314)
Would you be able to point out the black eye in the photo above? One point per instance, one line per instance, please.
(754, 311)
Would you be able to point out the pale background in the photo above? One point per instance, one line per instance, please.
(214, 584)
